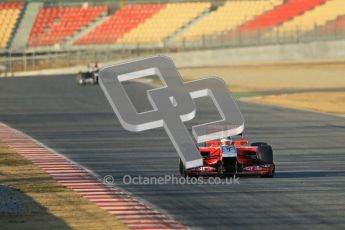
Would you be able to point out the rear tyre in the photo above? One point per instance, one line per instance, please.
(259, 144)
(264, 154)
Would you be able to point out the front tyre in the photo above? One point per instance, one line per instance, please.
(264, 154)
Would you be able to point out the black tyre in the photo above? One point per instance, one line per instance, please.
(264, 153)
(259, 143)
(183, 171)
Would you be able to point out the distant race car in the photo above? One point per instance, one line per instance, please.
(254, 159)
(88, 77)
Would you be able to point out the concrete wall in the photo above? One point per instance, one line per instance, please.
(306, 52)
(323, 50)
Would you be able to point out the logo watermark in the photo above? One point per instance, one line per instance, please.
(172, 180)
(108, 180)
(173, 105)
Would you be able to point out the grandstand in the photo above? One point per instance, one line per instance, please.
(123, 21)
(155, 25)
(50, 33)
(228, 17)
(279, 15)
(9, 15)
(53, 24)
(165, 22)
(311, 19)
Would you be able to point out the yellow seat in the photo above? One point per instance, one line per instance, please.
(227, 17)
(164, 23)
(8, 19)
(318, 16)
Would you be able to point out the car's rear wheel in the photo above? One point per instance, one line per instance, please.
(264, 154)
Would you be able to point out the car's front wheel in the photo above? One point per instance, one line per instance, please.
(264, 154)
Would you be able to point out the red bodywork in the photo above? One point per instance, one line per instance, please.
(246, 160)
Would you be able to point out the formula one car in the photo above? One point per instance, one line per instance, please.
(254, 159)
(88, 77)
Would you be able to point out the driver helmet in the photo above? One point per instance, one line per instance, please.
(226, 141)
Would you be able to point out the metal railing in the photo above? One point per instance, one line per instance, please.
(228, 39)
(43, 58)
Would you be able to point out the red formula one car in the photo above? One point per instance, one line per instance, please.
(254, 159)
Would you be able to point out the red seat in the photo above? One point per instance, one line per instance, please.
(54, 24)
(280, 14)
(121, 22)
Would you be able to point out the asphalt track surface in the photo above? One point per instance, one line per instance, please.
(308, 191)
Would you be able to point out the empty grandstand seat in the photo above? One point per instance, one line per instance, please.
(121, 22)
(53, 24)
(9, 15)
(164, 23)
(280, 14)
(316, 17)
(227, 17)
